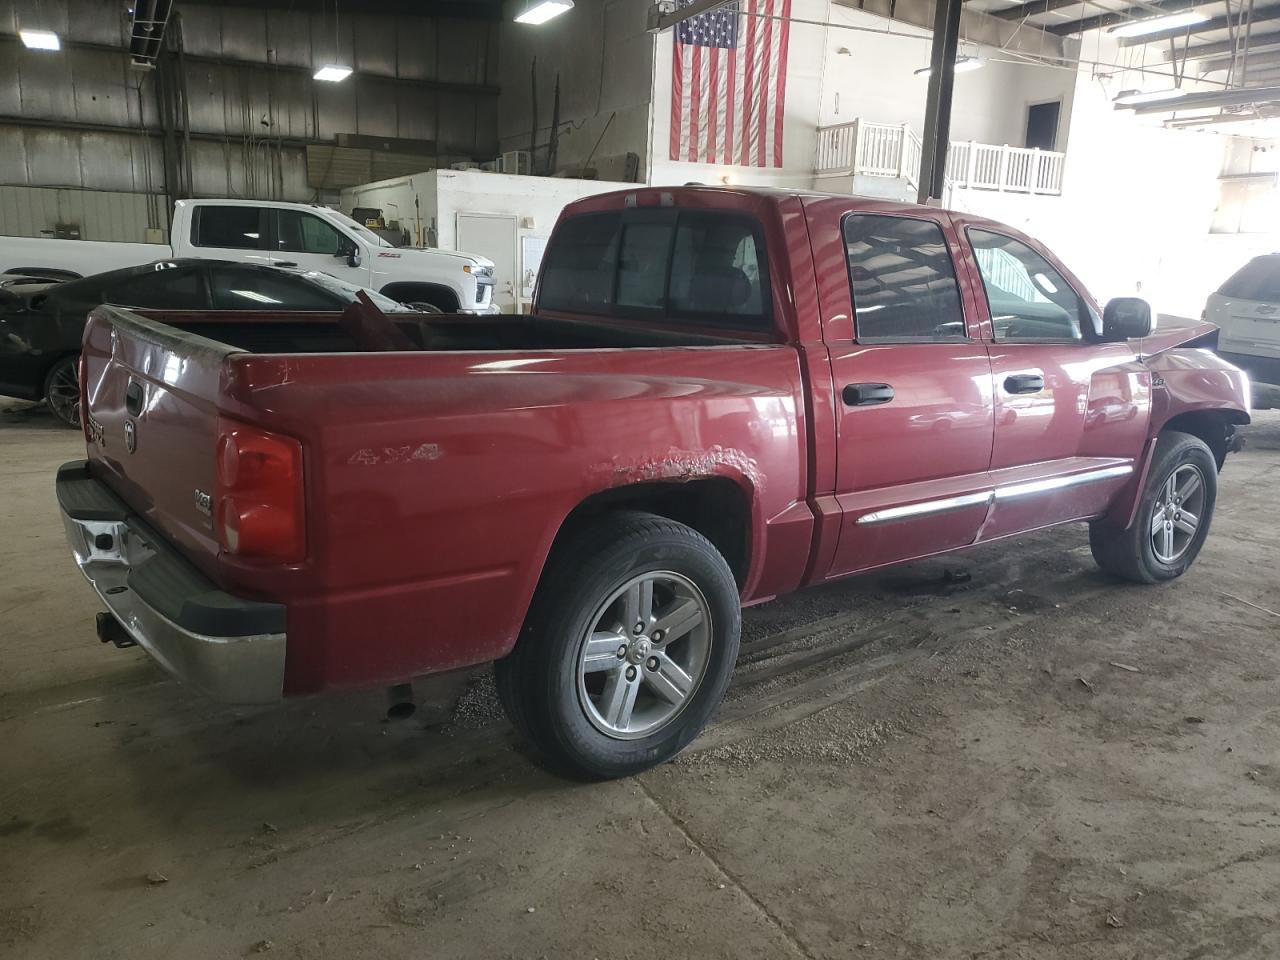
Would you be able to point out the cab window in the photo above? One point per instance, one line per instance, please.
(1030, 301)
(902, 280)
(299, 232)
(228, 227)
(692, 267)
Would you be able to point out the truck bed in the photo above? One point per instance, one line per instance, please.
(298, 332)
(472, 449)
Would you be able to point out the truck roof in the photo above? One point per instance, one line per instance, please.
(702, 193)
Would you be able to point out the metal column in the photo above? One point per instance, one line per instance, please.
(937, 113)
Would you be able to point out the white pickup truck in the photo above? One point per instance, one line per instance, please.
(306, 236)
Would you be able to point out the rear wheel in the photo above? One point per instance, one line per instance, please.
(1172, 520)
(62, 390)
(628, 648)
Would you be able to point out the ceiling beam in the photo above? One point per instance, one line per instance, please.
(1256, 58)
(1127, 15)
(1203, 51)
(1213, 98)
(975, 27)
(661, 20)
(1224, 22)
(1032, 9)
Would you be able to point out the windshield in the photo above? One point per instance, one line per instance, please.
(361, 229)
(348, 292)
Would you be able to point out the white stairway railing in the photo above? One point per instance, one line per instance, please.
(888, 150)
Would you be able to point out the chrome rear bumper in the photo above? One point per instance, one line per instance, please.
(231, 649)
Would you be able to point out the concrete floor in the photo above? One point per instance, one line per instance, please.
(1036, 763)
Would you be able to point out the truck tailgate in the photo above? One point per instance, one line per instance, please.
(150, 394)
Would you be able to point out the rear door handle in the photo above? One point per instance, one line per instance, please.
(867, 394)
(285, 263)
(1024, 383)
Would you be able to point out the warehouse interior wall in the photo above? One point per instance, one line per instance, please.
(84, 119)
(604, 60)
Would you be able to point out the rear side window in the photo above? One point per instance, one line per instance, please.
(697, 267)
(235, 228)
(1259, 280)
(267, 290)
(1029, 300)
(904, 286)
(165, 288)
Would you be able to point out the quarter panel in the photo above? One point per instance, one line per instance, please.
(437, 482)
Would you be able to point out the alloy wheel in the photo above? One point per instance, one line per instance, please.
(644, 655)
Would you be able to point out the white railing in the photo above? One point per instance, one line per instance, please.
(888, 150)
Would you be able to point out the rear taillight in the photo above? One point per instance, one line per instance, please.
(259, 512)
(82, 384)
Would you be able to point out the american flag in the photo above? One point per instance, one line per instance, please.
(729, 84)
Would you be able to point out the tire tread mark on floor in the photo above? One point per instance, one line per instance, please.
(797, 947)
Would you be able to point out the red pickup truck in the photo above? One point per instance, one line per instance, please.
(721, 396)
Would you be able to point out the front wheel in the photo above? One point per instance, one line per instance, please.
(628, 648)
(1173, 517)
(62, 390)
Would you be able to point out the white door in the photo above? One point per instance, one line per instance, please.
(493, 235)
(305, 241)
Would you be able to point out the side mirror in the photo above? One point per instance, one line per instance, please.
(353, 256)
(1126, 318)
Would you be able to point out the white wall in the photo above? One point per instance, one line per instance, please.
(603, 56)
(875, 80)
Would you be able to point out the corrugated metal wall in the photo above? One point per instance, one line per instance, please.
(100, 214)
(84, 119)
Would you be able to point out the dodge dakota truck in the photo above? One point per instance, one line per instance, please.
(720, 396)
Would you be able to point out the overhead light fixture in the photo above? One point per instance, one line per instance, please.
(1140, 28)
(540, 11)
(332, 72)
(1129, 98)
(40, 39)
(963, 65)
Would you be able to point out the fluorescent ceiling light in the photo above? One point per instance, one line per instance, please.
(1140, 28)
(540, 11)
(40, 39)
(332, 72)
(963, 65)
(1130, 98)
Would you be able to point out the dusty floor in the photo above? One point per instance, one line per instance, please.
(1035, 763)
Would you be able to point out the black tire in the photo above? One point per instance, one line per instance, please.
(62, 390)
(1133, 554)
(543, 684)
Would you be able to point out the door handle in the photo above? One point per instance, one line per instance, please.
(286, 263)
(1024, 383)
(867, 394)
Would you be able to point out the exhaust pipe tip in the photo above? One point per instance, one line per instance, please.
(401, 703)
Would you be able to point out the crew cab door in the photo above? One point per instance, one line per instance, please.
(912, 386)
(1070, 410)
(304, 240)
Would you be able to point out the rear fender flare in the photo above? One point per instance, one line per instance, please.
(620, 478)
